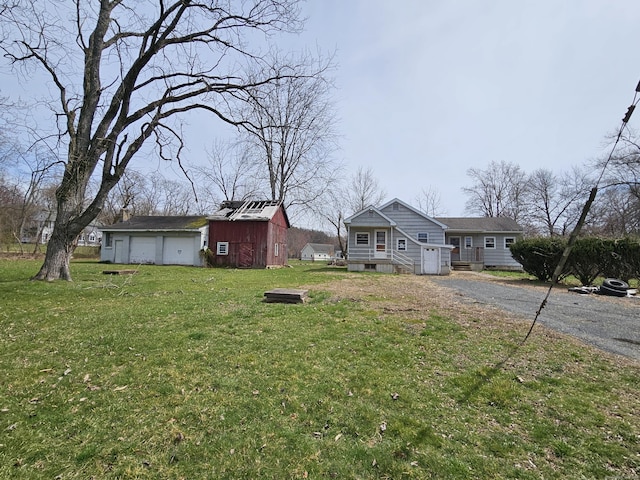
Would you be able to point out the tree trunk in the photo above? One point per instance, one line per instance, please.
(59, 250)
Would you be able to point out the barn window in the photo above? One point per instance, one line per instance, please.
(275, 249)
(489, 242)
(108, 239)
(508, 241)
(402, 244)
(423, 237)
(222, 248)
(362, 238)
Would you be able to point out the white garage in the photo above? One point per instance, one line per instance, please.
(159, 240)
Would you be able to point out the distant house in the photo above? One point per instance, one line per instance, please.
(397, 237)
(91, 236)
(315, 252)
(249, 234)
(159, 240)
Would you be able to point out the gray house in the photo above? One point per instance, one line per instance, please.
(159, 240)
(397, 237)
(482, 242)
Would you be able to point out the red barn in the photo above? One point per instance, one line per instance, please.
(249, 234)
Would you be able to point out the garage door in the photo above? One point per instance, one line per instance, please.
(178, 251)
(142, 250)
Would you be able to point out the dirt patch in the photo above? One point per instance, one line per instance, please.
(413, 298)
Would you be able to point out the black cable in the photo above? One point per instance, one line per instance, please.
(585, 210)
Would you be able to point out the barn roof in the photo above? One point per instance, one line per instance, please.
(249, 210)
(480, 224)
(159, 222)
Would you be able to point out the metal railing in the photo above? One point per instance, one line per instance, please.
(393, 256)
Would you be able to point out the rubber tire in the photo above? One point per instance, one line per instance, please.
(615, 284)
(604, 290)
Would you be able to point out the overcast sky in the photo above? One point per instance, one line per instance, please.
(429, 88)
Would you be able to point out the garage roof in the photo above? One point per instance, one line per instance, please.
(160, 223)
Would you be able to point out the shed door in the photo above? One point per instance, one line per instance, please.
(430, 261)
(142, 250)
(118, 246)
(245, 255)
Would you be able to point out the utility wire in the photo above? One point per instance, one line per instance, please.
(585, 210)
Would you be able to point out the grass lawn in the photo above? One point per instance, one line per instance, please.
(180, 372)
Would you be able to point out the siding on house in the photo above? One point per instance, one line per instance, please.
(479, 229)
(412, 223)
(427, 241)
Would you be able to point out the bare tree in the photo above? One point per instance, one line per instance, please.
(363, 190)
(430, 202)
(232, 172)
(617, 213)
(555, 201)
(123, 70)
(292, 131)
(334, 210)
(148, 194)
(497, 191)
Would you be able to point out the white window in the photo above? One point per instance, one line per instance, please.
(275, 249)
(362, 238)
(508, 241)
(489, 242)
(402, 244)
(222, 248)
(92, 237)
(423, 237)
(468, 242)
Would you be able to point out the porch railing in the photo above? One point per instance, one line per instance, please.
(393, 256)
(475, 254)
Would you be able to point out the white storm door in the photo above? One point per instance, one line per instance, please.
(430, 261)
(381, 244)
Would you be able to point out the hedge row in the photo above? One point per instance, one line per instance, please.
(590, 258)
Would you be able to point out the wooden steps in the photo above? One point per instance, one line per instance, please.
(285, 295)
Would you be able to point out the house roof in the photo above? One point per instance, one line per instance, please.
(248, 210)
(480, 224)
(415, 210)
(370, 208)
(160, 222)
(321, 247)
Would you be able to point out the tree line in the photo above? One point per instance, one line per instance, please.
(547, 203)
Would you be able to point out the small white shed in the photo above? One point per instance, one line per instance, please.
(316, 252)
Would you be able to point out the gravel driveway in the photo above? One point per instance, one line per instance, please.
(610, 323)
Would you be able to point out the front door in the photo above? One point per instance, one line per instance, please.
(430, 261)
(381, 244)
(455, 253)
